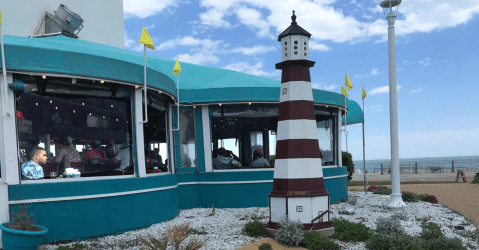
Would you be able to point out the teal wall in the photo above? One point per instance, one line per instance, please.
(85, 218)
(89, 217)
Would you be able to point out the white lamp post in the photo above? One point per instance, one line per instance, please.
(396, 197)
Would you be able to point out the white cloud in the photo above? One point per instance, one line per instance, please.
(424, 62)
(415, 91)
(373, 72)
(132, 44)
(330, 87)
(382, 90)
(255, 50)
(145, 8)
(326, 20)
(318, 47)
(200, 57)
(189, 41)
(250, 69)
(377, 108)
(128, 41)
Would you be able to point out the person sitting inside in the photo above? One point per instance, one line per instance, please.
(155, 158)
(123, 157)
(94, 155)
(66, 154)
(31, 170)
(226, 160)
(258, 160)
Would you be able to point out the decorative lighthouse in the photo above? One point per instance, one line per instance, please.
(298, 186)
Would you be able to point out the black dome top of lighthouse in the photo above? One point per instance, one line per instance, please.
(294, 29)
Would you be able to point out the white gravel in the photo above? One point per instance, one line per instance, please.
(223, 228)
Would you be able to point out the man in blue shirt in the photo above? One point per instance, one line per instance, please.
(31, 169)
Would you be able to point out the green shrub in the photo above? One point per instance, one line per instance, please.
(389, 226)
(431, 231)
(254, 229)
(409, 197)
(347, 160)
(476, 178)
(350, 231)
(396, 242)
(443, 243)
(289, 232)
(316, 241)
(384, 191)
(265, 246)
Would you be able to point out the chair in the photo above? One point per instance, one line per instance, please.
(77, 165)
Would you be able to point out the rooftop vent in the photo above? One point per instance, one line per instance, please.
(65, 22)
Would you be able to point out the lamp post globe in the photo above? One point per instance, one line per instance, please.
(396, 201)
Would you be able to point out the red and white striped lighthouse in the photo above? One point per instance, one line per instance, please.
(298, 186)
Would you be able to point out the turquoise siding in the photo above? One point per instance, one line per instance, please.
(200, 151)
(85, 218)
(337, 187)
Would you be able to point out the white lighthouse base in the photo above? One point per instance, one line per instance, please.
(304, 209)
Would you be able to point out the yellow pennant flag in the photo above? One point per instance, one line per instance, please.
(364, 94)
(146, 39)
(343, 91)
(177, 68)
(348, 82)
(0, 17)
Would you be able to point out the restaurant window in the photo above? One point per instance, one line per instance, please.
(84, 127)
(156, 136)
(243, 129)
(187, 139)
(326, 140)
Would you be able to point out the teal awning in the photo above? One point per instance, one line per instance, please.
(355, 113)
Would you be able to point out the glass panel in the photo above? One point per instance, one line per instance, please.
(230, 144)
(256, 143)
(187, 138)
(80, 134)
(156, 139)
(326, 140)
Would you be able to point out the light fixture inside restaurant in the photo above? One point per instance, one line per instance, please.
(44, 76)
(159, 92)
(74, 80)
(102, 81)
(137, 86)
(220, 104)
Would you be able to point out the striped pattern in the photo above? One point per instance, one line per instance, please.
(298, 187)
(289, 129)
(299, 148)
(296, 91)
(298, 168)
(296, 110)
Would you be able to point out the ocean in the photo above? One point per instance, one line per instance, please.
(428, 164)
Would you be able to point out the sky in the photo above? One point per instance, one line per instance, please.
(437, 59)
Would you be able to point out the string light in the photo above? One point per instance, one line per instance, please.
(44, 76)
(102, 81)
(36, 104)
(56, 107)
(137, 86)
(249, 103)
(116, 119)
(83, 104)
(51, 101)
(159, 92)
(103, 117)
(74, 111)
(111, 106)
(90, 114)
(194, 106)
(220, 104)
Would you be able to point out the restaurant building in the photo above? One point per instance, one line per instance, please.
(59, 86)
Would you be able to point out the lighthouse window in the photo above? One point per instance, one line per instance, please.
(295, 42)
(286, 54)
(296, 52)
(295, 47)
(305, 43)
(285, 43)
(285, 48)
(305, 53)
(304, 48)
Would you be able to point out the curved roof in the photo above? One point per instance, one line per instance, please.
(198, 84)
(69, 56)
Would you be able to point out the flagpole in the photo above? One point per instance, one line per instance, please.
(364, 152)
(144, 86)
(5, 89)
(346, 117)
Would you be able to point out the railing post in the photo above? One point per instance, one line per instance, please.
(382, 169)
(452, 169)
(415, 167)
